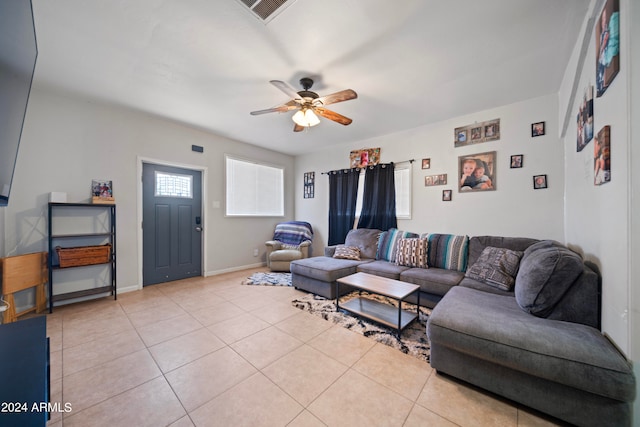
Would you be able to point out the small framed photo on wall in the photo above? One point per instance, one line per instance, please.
(446, 195)
(539, 182)
(516, 161)
(426, 163)
(538, 129)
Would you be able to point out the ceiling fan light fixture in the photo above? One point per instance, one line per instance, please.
(305, 118)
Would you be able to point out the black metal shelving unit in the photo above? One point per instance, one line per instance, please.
(109, 235)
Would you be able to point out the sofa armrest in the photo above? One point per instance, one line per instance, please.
(330, 251)
(272, 245)
(304, 248)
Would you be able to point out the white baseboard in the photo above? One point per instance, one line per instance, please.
(232, 269)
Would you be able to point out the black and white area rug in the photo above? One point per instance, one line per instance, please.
(269, 279)
(413, 340)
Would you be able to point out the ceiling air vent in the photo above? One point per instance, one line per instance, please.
(266, 10)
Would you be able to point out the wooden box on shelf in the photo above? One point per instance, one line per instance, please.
(103, 200)
(84, 255)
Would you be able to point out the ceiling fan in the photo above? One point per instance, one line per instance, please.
(309, 104)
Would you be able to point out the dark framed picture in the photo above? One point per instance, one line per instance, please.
(446, 195)
(516, 161)
(607, 46)
(477, 172)
(309, 184)
(537, 129)
(426, 163)
(584, 121)
(539, 182)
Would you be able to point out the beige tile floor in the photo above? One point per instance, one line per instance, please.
(211, 352)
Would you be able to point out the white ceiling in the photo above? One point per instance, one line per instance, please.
(207, 63)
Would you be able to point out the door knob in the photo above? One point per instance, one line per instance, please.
(198, 229)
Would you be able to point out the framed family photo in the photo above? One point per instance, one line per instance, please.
(477, 133)
(516, 161)
(477, 172)
(602, 156)
(607, 46)
(446, 195)
(432, 180)
(538, 129)
(426, 163)
(539, 182)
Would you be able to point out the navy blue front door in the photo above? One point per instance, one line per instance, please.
(171, 223)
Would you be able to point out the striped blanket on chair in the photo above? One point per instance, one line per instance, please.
(293, 232)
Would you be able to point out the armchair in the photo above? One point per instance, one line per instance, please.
(291, 241)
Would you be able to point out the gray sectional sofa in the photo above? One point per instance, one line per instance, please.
(538, 343)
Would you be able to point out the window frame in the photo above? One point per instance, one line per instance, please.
(397, 167)
(155, 184)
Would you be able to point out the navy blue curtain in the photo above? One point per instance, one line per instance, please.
(379, 198)
(343, 192)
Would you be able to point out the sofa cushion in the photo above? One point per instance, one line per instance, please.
(382, 268)
(388, 243)
(365, 239)
(478, 243)
(347, 252)
(435, 281)
(324, 268)
(468, 282)
(412, 252)
(547, 270)
(494, 328)
(496, 267)
(447, 251)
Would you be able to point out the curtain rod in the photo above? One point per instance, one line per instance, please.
(390, 163)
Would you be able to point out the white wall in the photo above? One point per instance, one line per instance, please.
(67, 142)
(514, 209)
(597, 217)
(633, 23)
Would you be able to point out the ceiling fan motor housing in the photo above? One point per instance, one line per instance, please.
(306, 84)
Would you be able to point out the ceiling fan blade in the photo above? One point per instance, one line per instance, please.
(297, 128)
(332, 115)
(343, 95)
(281, 109)
(291, 92)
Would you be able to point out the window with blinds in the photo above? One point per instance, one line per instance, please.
(253, 188)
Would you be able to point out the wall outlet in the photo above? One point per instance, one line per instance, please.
(255, 252)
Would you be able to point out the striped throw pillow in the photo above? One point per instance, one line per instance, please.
(412, 252)
(388, 243)
(447, 251)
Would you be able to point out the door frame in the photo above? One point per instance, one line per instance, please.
(204, 170)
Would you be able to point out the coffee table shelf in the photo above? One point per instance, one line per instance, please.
(379, 312)
(385, 314)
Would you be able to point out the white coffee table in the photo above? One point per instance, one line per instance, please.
(377, 311)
